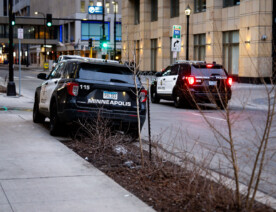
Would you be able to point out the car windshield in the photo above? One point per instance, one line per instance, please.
(105, 73)
(207, 72)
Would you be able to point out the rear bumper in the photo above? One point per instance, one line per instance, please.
(71, 115)
(211, 97)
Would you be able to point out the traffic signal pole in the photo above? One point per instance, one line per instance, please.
(11, 91)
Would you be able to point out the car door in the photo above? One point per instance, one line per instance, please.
(171, 79)
(161, 81)
(49, 86)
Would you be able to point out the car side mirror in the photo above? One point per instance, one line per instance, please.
(42, 76)
(158, 74)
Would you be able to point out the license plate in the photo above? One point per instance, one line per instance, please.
(110, 95)
(212, 82)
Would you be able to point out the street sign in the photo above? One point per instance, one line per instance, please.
(176, 31)
(20, 33)
(176, 39)
(95, 10)
(46, 66)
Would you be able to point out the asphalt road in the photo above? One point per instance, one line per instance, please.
(185, 132)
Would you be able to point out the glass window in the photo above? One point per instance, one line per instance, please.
(174, 8)
(82, 9)
(99, 3)
(229, 3)
(115, 8)
(153, 54)
(91, 3)
(231, 52)
(154, 10)
(137, 12)
(93, 29)
(118, 31)
(199, 47)
(200, 5)
(107, 7)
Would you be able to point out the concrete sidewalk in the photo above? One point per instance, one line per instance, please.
(38, 173)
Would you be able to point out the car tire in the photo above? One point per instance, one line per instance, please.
(222, 104)
(55, 124)
(154, 96)
(178, 101)
(37, 116)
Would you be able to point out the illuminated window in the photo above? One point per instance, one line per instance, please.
(82, 6)
(99, 3)
(107, 6)
(91, 3)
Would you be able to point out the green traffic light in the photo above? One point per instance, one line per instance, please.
(49, 24)
(13, 23)
(104, 45)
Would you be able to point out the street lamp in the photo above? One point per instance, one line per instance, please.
(187, 13)
(36, 13)
(115, 4)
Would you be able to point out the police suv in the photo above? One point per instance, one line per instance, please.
(189, 82)
(80, 89)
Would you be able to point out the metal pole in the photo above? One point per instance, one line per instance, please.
(11, 91)
(187, 39)
(103, 19)
(149, 125)
(44, 38)
(19, 42)
(115, 30)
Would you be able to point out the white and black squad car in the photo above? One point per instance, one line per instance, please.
(80, 89)
(190, 82)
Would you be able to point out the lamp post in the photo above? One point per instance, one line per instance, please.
(187, 13)
(115, 11)
(11, 90)
(36, 13)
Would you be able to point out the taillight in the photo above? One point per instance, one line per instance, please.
(191, 80)
(72, 88)
(209, 65)
(229, 81)
(143, 95)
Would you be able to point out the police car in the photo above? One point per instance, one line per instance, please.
(189, 82)
(82, 89)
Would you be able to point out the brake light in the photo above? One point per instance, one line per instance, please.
(143, 95)
(229, 81)
(72, 88)
(191, 80)
(210, 65)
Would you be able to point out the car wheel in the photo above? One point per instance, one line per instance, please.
(178, 101)
(222, 104)
(37, 116)
(55, 124)
(154, 96)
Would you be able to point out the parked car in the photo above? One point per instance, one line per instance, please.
(189, 82)
(80, 89)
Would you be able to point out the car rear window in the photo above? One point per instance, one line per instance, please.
(207, 72)
(105, 73)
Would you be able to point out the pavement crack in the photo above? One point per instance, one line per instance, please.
(6, 197)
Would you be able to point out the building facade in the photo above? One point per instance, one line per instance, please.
(235, 33)
(75, 27)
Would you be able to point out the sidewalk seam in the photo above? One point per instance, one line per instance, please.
(6, 197)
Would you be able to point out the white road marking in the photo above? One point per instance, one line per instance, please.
(196, 114)
(30, 77)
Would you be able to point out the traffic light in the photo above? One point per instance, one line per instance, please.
(90, 42)
(103, 43)
(49, 20)
(13, 19)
